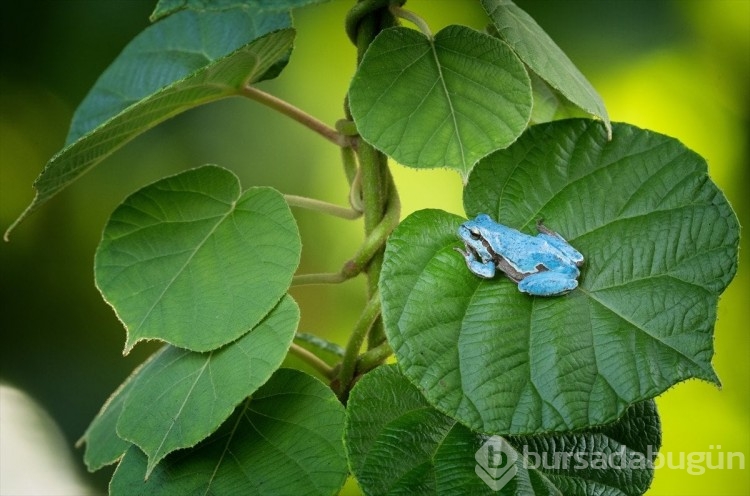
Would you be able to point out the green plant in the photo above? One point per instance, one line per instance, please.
(195, 261)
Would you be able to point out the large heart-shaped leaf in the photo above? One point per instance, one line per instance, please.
(544, 57)
(442, 102)
(398, 444)
(286, 439)
(660, 242)
(193, 261)
(184, 61)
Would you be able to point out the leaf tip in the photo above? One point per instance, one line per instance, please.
(82, 440)
(20, 218)
(129, 344)
(715, 380)
(150, 466)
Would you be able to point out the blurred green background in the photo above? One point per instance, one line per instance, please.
(678, 67)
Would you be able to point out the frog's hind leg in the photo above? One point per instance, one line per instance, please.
(547, 284)
(559, 242)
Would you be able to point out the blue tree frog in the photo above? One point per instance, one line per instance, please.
(541, 265)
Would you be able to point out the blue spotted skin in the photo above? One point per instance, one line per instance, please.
(542, 265)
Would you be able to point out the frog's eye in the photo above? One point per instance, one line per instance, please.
(474, 234)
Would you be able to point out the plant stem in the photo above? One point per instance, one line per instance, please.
(410, 16)
(367, 318)
(374, 174)
(313, 360)
(320, 343)
(355, 190)
(319, 278)
(377, 236)
(373, 357)
(363, 23)
(366, 19)
(381, 209)
(297, 114)
(373, 184)
(321, 206)
(346, 127)
(362, 260)
(349, 160)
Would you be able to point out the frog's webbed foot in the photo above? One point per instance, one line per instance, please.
(547, 284)
(485, 270)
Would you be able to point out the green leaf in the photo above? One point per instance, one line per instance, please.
(660, 242)
(550, 104)
(613, 459)
(398, 444)
(168, 7)
(103, 445)
(181, 397)
(537, 50)
(442, 102)
(192, 261)
(170, 51)
(164, 71)
(286, 439)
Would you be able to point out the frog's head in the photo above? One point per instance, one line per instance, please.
(474, 232)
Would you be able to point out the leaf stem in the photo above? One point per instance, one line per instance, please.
(321, 206)
(367, 318)
(347, 127)
(413, 18)
(319, 278)
(320, 343)
(297, 114)
(373, 357)
(313, 360)
(361, 260)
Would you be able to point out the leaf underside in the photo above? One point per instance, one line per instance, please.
(165, 8)
(398, 444)
(163, 72)
(542, 55)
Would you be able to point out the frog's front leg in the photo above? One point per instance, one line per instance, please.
(547, 283)
(475, 265)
